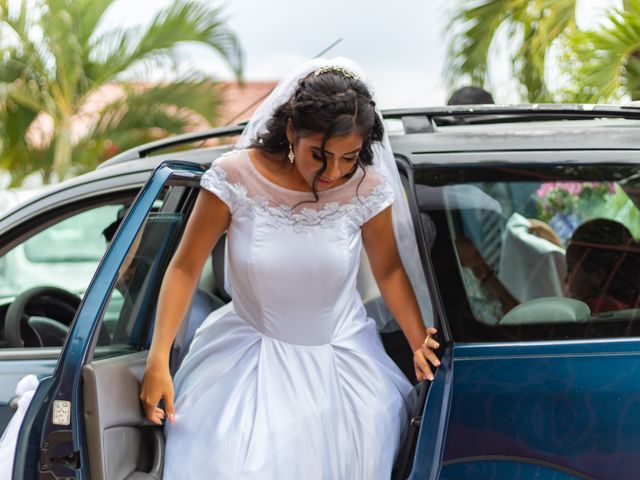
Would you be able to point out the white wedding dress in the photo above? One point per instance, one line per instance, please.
(293, 383)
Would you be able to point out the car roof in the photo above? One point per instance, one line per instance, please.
(424, 135)
(597, 134)
(418, 134)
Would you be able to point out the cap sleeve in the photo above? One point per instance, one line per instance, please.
(379, 195)
(222, 179)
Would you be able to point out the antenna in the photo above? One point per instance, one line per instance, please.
(328, 48)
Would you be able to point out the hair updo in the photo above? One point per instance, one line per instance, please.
(330, 103)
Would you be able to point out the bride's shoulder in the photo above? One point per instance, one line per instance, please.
(224, 178)
(372, 179)
(231, 164)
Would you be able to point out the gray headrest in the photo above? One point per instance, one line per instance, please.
(547, 310)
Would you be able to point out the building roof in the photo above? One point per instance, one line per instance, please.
(242, 100)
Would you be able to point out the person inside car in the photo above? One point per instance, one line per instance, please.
(603, 266)
(470, 95)
(535, 239)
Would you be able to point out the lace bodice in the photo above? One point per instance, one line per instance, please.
(237, 182)
(293, 261)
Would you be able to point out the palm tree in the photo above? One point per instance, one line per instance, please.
(56, 62)
(532, 25)
(603, 64)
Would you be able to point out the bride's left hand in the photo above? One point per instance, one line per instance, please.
(425, 355)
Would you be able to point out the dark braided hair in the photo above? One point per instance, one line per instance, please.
(332, 104)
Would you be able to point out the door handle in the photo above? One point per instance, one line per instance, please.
(158, 453)
(156, 439)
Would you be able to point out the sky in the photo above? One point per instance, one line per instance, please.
(400, 45)
(399, 48)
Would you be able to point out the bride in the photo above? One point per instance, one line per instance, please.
(294, 381)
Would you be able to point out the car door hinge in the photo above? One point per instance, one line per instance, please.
(57, 450)
(416, 421)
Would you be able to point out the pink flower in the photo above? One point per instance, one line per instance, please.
(545, 188)
(574, 188)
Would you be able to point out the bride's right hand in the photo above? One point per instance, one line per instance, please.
(156, 385)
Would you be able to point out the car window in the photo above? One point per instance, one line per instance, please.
(131, 305)
(65, 254)
(61, 257)
(560, 251)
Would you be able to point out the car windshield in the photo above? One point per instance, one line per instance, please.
(537, 245)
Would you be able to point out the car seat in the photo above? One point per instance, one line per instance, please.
(202, 304)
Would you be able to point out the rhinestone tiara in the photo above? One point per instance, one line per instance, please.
(345, 72)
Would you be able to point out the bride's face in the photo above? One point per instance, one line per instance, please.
(341, 153)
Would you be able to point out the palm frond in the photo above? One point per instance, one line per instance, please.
(605, 66)
(473, 31)
(198, 99)
(63, 64)
(185, 21)
(21, 23)
(16, 154)
(59, 24)
(87, 14)
(199, 96)
(533, 25)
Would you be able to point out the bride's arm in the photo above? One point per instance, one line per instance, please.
(208, 221)
(386, 265)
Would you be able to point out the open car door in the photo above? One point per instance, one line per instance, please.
(86, 421)
(421, 456)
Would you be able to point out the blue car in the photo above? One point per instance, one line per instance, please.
(528, 220)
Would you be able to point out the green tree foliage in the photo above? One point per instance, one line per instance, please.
(596, 65)
(603, 64)
(54, 58)
(531, 25)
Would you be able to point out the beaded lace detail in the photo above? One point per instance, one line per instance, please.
(302, 215)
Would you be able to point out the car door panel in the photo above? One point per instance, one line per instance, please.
(566, 406)
(118, 445)
(485, 469)
(434, 421)
(552, 395)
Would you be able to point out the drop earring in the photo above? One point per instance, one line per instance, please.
(291, 155)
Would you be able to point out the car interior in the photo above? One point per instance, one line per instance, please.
(531, 254)
(44, 275)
